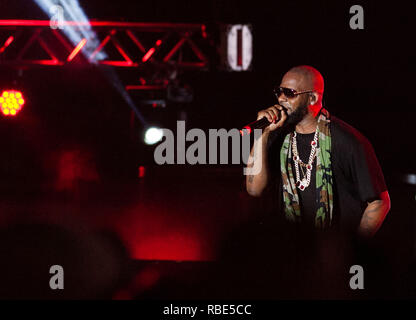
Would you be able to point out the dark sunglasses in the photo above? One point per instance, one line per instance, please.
(289, 93)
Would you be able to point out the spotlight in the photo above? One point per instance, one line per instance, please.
(153, 135)
(11, 102)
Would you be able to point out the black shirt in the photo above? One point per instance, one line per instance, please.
(357, 175)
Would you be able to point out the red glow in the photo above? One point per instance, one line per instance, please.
(7, 43)
(184, 29)
(174, 49)
(9, 40)
(144, 25)
(245, 130)
(168, 246)
(44, 62)
(118, 63)
(148, 54)
(136, 40)
(80, 45)
(74, 166)
(151, 51)
(145, 87)
(204, 29)
(146, 278)
(142, 171)
(101, 46)
(11, 102)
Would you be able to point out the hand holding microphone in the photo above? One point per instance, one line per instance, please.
(269, 120)
(276, 115)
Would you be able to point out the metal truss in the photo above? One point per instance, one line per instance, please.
(134, 45)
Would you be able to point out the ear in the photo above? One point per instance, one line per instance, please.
(314, 97)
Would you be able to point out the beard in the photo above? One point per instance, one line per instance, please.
(297, 116)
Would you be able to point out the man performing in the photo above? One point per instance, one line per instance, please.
(322, 171)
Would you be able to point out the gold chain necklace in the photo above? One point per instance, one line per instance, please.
(306, 180)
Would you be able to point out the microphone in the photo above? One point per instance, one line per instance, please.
(259, 124)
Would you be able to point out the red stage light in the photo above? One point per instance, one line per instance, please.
(142, 171)
(151, 51)
(148, 54)
(7, 43)
(11, 102)
(77, 49)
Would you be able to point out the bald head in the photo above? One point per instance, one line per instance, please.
(309, 78)
(309, 84)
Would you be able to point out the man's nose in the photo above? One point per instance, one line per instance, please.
(282, 98)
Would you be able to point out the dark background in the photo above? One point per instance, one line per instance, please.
(367, 72)
(183, 212)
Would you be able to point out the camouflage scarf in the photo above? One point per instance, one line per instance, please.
(324, 191)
